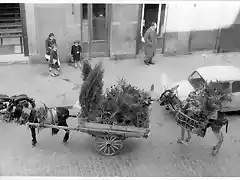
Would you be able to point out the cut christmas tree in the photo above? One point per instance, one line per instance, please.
(122, 104)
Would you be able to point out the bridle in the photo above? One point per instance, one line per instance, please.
(168, 96)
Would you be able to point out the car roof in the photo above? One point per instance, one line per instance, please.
(220, 73)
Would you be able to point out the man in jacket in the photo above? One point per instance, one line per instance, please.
(150, 43)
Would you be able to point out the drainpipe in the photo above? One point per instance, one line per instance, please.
(217, 46)
(165, 28)
(81, 26)
(89, 31)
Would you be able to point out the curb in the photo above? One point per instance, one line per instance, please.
(5, 63)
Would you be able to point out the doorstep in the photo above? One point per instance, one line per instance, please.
(13, 59)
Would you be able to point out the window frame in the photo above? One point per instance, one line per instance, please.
(192, 75)
(232, 86)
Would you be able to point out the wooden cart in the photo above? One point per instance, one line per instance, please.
(108, 138)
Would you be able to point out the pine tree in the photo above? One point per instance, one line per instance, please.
(91, 91)
(86, 69)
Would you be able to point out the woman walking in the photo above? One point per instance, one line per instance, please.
(48, 45)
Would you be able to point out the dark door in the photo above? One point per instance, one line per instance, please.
(100, 30)
(11, 28)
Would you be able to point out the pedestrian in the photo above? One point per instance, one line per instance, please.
(54, 62)
(48, 45)
(76, 53)
(150, 44)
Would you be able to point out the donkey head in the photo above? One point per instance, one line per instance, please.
(168, 96)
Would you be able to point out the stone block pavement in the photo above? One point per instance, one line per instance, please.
(159, 155)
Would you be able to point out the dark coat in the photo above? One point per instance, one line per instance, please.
(48, 45)
(150, 42)
(76, 52)
(54, 55)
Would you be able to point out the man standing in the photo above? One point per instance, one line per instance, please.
(150, 44)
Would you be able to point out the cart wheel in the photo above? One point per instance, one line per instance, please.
(109, 145)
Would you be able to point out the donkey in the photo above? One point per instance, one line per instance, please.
(53, 116)
(169, 98)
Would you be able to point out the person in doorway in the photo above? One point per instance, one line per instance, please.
(76, 53)
(48, 45)
(150, 44)
(54, 62)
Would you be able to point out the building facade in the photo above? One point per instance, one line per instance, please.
(105, 30)
(202, 26)
(116, 30)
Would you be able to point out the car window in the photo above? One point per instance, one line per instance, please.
(236, 86)
(195, 79)
(225, 86)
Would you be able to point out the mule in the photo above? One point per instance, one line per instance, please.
(170, 99)
(52, 116)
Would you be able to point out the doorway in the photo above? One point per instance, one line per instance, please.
(152, 13)
(12, 29)
(95, 32)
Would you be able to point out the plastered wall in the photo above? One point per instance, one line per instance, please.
(196, 24)
(61, 19)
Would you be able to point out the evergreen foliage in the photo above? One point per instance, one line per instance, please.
(123, 104)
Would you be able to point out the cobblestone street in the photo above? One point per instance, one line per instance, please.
(159, 155)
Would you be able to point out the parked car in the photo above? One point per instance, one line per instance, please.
(229, 76)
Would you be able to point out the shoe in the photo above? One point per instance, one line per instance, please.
(53, 75)
(34, 143)
(146, 63)
(151, 62)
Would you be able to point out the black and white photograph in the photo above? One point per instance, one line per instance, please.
(119, 89)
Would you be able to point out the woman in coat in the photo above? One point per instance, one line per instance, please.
(48, 45)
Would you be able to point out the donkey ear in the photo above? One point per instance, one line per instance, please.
(152, 87)
(45, 106)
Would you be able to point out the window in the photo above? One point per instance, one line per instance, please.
(99, 10)
(85, 11)
(196, 80)
(225, 86)
(236, 86)
(99, 30)
(99, 22)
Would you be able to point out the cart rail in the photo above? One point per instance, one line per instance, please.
(190, 124)
(101, 130)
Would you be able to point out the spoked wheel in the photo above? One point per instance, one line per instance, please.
(109, 145)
